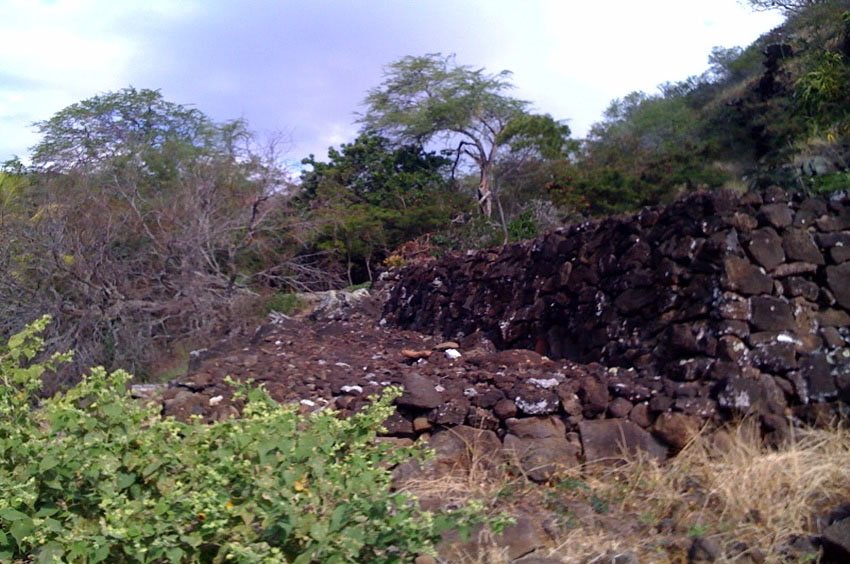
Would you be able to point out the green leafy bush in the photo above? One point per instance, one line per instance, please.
(830, 183)
(92, 475)
(523, 227)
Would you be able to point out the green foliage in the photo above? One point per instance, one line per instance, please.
(523, 227)
(431, 94)
(830, 183)
(286, 303)
(129, 129)
(646, 151)
(431, 97)
(476, 232)
(370, 197)
(146, 218)
(823, 91)
(542, 134)
(92, 475)
(697, 530)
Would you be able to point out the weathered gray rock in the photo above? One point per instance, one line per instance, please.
(523, 537)
(460, 447)
(820, 382)
(775, 357)
(452, 412)
(334, 305)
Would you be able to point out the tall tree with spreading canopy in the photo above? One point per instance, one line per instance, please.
(433, 98)
(133, 226)
(370, 197)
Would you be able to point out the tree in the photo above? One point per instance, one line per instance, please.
(372, 196)
(431, 97)
(646, 150)
(787, 6)
(139, 214)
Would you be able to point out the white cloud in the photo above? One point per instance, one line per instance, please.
(56, 53)
(306, 67)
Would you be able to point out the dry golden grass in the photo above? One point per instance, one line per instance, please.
(748, 497)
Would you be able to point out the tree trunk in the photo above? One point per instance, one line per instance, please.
(485, 197)
(506, 235)
(369, 268)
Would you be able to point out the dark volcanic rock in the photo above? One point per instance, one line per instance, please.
(817, 372)
(676, 429)
(837, 540)
(729, 298)
(743, 277)
(536, 427)
(771, 314)
(778, 215)
(838, 280)
(541, 458)
(765, 247)
(609, 439)
(461, 446)
(800, 246)
(419, 392)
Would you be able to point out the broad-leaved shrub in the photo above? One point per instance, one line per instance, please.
(92, 475)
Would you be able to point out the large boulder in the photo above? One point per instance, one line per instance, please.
(614, 439)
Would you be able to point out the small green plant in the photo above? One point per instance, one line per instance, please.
(285, 303)
(821, 93)
(523, 227)
(830, 183)
(697, 530)
(93, 476)
(598, 504)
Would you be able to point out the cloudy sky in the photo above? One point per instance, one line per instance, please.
(302, 68)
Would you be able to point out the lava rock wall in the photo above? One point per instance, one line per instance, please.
(718, 300)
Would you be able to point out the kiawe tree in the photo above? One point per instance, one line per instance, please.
(135, 226)
(431, 98)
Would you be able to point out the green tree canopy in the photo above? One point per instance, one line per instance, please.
(138, 213)
(433, 98)
(132, 131)
(372, 196)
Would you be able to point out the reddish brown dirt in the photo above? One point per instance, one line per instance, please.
(301, 360)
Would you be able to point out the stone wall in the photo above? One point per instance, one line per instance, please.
(716, 301)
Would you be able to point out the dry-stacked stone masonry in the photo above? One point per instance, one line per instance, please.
(715, 304)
